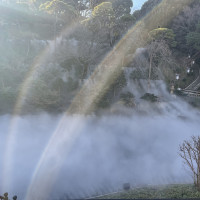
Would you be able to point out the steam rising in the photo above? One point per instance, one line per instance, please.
(110, 150)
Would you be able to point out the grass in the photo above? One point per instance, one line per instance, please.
(180, 191)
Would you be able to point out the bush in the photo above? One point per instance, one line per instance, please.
(127, 99)
(150, 97)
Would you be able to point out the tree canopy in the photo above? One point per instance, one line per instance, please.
(58, 7)
(163, 34)
(193, 38)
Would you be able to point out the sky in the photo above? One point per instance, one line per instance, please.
(137, 4)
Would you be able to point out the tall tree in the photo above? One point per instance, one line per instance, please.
(193, 38)
(94, 3)
(184, 24)
(122, 7)
(79, 5)
(165, 34)
(59, 8)
(102, 23)
(159, 53)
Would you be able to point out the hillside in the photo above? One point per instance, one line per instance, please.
(60, 49)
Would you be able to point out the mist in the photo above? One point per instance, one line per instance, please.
(141, 149)
(59, 55)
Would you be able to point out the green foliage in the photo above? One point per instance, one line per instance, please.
(163, 34)
(58, 84)
(59, 8)
(101, 9)
(78, 64)
(21, 28)
(119, 82)
(124, 23)
(185, 23)
(193, 38)
(158, 192)
(71, 84)
(128, 18)
(26, 24)
(68, 64)
(110, 19)
(103, 15)
(94, 3)
(139, 74)
(114, 89)
(8, 97)
(122, 7)
(37, 3)
(105, 102)
(44, 97)
(144, 74)
(102, 23)
(150, 97)
(127, 99)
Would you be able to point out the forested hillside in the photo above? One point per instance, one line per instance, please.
(49, 49)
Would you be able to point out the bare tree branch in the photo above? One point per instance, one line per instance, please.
(190, 152)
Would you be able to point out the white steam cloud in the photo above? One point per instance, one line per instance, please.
(111, 150)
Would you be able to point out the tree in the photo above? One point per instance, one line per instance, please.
(110, 19)
(8, 97)
(103, 14)
(122, 7)
(190, 152)
(77, 64)
(165, 34)
(158, 52)
(150, 97)
(113, 92)
(119, 83)
(102, 22)
(81, 6)
(37, 3)
(43, 96)
(185, 23)
(127, 99)
(193, 38)
(59, 8)
(94, 3)
(124, 20)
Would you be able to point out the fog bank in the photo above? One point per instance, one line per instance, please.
(109, 151)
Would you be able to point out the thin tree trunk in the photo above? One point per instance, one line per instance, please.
(150, 67)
